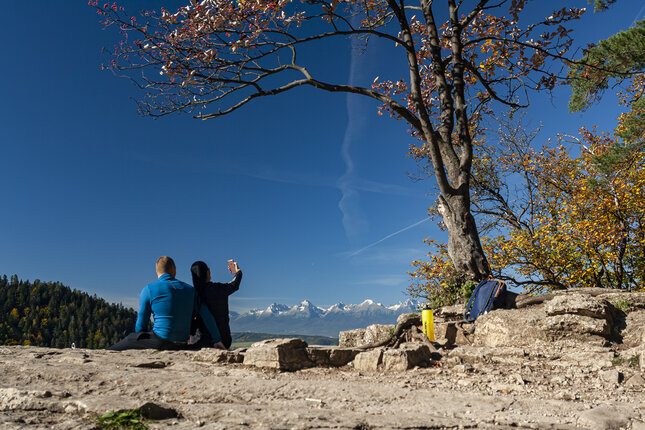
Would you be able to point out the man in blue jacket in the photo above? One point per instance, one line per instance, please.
(172, 303)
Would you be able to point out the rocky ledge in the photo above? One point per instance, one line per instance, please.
(569, 360)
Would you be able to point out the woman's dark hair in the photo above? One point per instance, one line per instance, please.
(199, 270)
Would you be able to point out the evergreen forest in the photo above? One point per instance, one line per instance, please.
(53, 315)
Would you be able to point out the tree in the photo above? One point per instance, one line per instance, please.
(619, 59)
(600, 5)
(583, 225)
(551, 220)
(215, 56)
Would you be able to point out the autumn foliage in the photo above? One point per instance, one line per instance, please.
(588, 224)
(569, 221)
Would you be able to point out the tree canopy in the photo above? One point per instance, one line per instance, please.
(212, 57)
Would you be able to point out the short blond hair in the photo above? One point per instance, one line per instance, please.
(166, 264)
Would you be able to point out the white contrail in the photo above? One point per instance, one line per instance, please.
(353, 253)
(348, 203)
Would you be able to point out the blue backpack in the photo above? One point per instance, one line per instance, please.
(488, 295)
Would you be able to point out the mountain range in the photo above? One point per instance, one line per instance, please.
(306, 318)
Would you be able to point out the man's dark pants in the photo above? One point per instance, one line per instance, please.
(146, 340)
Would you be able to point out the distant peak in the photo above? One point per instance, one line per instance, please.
(276, 307)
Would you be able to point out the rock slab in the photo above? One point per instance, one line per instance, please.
(331, 356)
(407, 356)
(365, 336)
(282, 354)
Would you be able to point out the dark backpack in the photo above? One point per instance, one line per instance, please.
(488, 295)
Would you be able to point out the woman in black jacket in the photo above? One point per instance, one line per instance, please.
(215, 296)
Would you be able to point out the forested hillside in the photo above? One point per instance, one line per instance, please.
(51, 314)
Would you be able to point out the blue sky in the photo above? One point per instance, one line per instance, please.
(305, 190)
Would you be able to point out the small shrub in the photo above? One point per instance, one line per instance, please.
(129, 419)
(436, 281)
(467, 289)
(455, 288)
(634, 361)
(623, 305)
(631, 362)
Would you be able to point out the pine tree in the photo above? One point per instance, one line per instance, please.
(619, 57)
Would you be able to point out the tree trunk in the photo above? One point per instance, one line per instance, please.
(464, 246)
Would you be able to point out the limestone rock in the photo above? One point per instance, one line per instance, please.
(369, 361)
(586, 355)
(450, 313)
(444, 333)
(331, 356)
(282, 354)
(12, 398)
(641, 356)
(351, 338)
(567, 316)
(407, 356)
(578, 304)
(212, 355)
(360, 337)
(638, 425)
(605, 418)
(634, 301)
(634, 332)
(523, 301)
(512, 327)
(612, 376)
(473, 355)
(574, 325)
(378, 333)
(403, 317)
(636, 382)
(452, 333)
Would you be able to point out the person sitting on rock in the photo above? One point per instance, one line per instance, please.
(172, 304)
(215, 296)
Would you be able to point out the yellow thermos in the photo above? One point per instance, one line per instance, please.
(427, 321)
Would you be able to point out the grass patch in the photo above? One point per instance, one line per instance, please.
(623, 305)
(129, 419)
(630, 362)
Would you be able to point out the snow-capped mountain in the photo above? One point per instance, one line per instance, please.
(307, 318)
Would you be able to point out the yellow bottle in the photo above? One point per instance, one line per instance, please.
(427, 321)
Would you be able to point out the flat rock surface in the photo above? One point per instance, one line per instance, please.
(471, 387)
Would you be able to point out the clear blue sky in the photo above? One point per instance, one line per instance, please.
(300, 189)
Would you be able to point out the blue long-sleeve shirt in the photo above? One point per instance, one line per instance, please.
(172, 303)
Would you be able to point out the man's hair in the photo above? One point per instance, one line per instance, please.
(165, 265)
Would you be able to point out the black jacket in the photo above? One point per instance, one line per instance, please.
(215, 296)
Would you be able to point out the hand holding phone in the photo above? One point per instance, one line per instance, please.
(233, 267)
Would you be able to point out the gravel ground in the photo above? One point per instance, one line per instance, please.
(470, 387)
